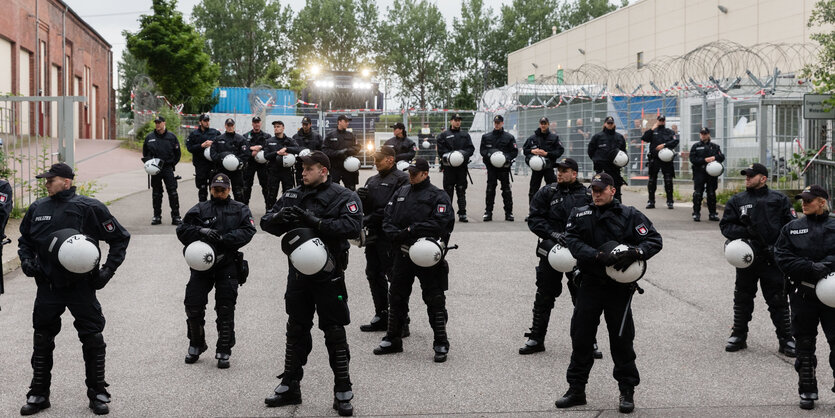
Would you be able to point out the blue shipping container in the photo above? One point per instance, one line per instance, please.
(236, 100)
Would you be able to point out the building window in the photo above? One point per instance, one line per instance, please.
(640, 60)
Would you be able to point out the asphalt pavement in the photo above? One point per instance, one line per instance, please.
(682, 321)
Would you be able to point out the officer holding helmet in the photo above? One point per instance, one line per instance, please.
(546, 144)
(805, 252)
(404, 148)
(307, 138)
(417, 210)
(340, 144)
(275, 149)
(592, 232)
(231, 143)
(332, 215)
(498, 140)
(703, 153)
(455, 178)
(60, 289)
(227, 226)
(197, 142)
(757, 215)
(375, 196)
(660, 137)
(256, 140)
(603, 148)
(163, 144)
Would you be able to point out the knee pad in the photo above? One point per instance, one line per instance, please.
(435, 301)
(156, 195)
(173, 195)
(295, 330)
(543, 300)
(195, 312)
(778, 300)
(335, 335)
(93, 341)
(44, 340)
(225, 310)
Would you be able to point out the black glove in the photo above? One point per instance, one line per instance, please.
(362, 192)
(210, 235)
(30, 267)
(402, 236)
(342, 153)
(820, 270)
(745, 219)
(307, 217)
(100, 279)
(605, 257)
(624, 259)
(559, 238)
(283, 215)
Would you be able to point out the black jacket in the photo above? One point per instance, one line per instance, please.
(229, 143)
(805, 241)
(6, 205)
(456, 140)
(339, 145)
(230, 218)
(166, 147)
(658, 136)
(498, 140)
(768, 210)
(547, 141)
(589, 227)
(552, 205)
(311, 140)
(422, 209)
(605, 144)
(404, 148)
(381, 188)
(197, 137)
(701, 150)
(252, 138)
(274, 144)
(67, 209)
(339, 209)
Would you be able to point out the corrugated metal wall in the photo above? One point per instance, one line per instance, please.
(237, 100)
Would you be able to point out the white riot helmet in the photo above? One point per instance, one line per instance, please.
(537, 163)
(739, 253)
(559, 257)
(153, 166)
(74, 251)
(426, 252)
(288, 160)
(498, 159)
(621, 159)
(633, 273)
(352, 164)
(715, 168)
(231, 162)
(200, 256)
(454, 159)
(306, 251)
(402, 165)
(207, 153)
(666, 155)
(825, 290)
(425, 144)
(259, 157)
(304, 153)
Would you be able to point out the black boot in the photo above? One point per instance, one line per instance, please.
(194, 353)
(651, 204)
(222, 360)
(287, 393)
(462, 218)
(35, 404)
(339, 357)
(807, 400)
(378, 323)
(627, 401)
(573, 397)
(509, 217)
(597, 354)
(93, 349)
(436, 309)
(225, 335)
(156, 220)
(98, 401)
(389, 346)
(342, 403)
(697, 217)
(196, 334)
(38, 396)
(807, 380)
(736, 342)
(739, 331)
(174, 202)
(787, 348)
(539, 327)
(783, 326)
(488, 216)
(713, 217)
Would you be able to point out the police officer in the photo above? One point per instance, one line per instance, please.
(455, 178)
(277, 147)
(163, 144)
(227, 226)
(6, 205)
(340, 144)
(590, 231)
(660, 137)
(375, 195)
(335, 214)
(498, 141)
(602, 150)
(549, 212)
(701, 153)
(546, 144)
(415, 211)
(307, 138)
(757, 214)
(198, 140)
(232, 143)
(58, 289)
(805, 252)
(404, 148)
(256, 139)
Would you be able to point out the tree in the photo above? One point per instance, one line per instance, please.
(278, 77)
(822, 72)
(129, 68)
(244, 36)
(173, 50)
(467, 53)
(576, 13)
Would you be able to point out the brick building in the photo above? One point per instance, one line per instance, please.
(34, 54)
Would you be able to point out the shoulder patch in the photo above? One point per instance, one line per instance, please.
(352, 207)
(109, 225)
(3, 197)
(441, 208)
(642, 229)
(251, 221)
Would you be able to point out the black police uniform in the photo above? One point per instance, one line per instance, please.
(426, 153)
(203, 168)
(59, 289)
(587, 230)
(340, 218)
(378, 248)
(279, 175)
(766, 212)
(703, 182)
(602, 149)
(404, 148)
(805, 252)
(310, 140)
(498, 141)
(231, 143)
(6, 205)
(338, 146)
(655, 137)
(455, 178)
(415, 211)
(166, 147)
(254, 167)
(550, 143)
(549, 211)
(235, 227)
